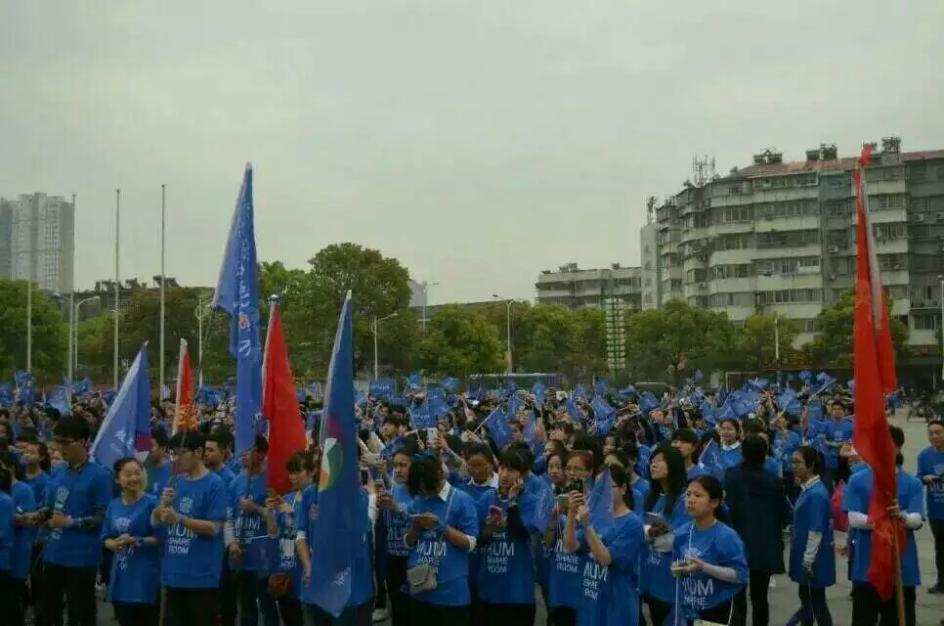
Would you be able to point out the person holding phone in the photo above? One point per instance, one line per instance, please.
(812, 554)
(708, 557)
(280, 511)
(564, 580)
(134, 581)
(394, 506)
(506, 570)
(443, 533)
(666, 504)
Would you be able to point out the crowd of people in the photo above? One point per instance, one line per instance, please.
(614, 511)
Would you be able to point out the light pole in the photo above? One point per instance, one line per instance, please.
(426, 287)
(160, 387)
(71, 308)
(376, 326)
(203, 311)
(74, 334)
(508, 304)
(777, 345)
(117, 280)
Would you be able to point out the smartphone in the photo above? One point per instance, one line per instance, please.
(562, 501)
(432, 434)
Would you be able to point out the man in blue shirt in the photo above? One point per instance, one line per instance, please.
(192, 509)
(931, 474)
(219, 443)
(76, 498)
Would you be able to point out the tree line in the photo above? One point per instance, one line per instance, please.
(668, 344)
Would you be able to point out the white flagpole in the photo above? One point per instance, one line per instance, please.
(180, 367)
(71, 368)
(163, 231)
(117, 280)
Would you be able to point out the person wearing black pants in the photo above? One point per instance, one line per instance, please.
(760, 608)
(227, 594)
(937, 530)
(813, 607)
(192, 606)
(867, 605)
(75, 585)
(426, 614)
(399, 601)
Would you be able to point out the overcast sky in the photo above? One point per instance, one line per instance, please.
(479, 142)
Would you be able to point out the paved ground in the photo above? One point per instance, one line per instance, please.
(783, 599)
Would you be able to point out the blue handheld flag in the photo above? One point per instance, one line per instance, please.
(127, 426)
(601, 502)
(498, 428)
(237, 293)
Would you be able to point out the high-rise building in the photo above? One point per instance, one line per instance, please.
(37, 241)
(779, 237)
(650, 259)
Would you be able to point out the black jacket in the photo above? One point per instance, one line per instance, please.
(759, 511)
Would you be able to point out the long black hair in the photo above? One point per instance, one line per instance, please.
(426, 473)
(621, 479)
(676, 478)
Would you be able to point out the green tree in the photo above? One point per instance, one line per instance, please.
(460, 342)
(655, 339)
(832, 346)
(50, 337)
(755, 341)
(553, 338)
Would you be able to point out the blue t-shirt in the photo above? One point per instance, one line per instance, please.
(835, 432)
(38, 484)
(226, 474)
(566, 575)
(250, 528)
(813, 513)
(23, 536)
(695, 471)
(658, 580)
(856, 496)
(432, 547)
(135, 571)
(158, 478)
(397, 523)
(641, 485)
(609, 593)
(193, 561)
(6, 531)
(731, 457)
(506, 569)
(77, 494)
(931, 463)
(718, 545)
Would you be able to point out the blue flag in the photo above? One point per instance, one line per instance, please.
(415, 381)
(498, 428)
(421, 416)
(600, 502)
(628, 392)
(572, 411)
(237, 293)
(600, 387)
(603, 415)
(126, 430)
(647, 402)
(25, 387)
(579, 392)
(450, 384)
(209, 396)
(826, 381)
(710, 460)
(316, 390)
(6, 395)
(59, 400)
(82, 387)
(382, 388)
(339, 530)
(530, 429)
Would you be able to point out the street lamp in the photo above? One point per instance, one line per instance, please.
(426, 287)
(777, 345)
(29, 324)
(376, 327)
(202, 312)
(508, 304)
(74, 335)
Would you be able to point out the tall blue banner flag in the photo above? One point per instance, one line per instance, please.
(237, 293)
(339, 530)
(498, 428)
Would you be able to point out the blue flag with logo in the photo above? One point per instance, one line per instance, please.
(498, 428)
(126, 430)
(572, 411)
(600, 502)
(209, 396)
(237, 293)
(602, 415)
(339, 530)
(711, 461)
(415, 381)
(647, 402)
(421, 416)
(825, 382)
(382, 388)
(59, 400)
(806, 376)
(26, 390)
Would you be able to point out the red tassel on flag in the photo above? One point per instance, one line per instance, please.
(280, 405)
(185, 413)
(874, 365)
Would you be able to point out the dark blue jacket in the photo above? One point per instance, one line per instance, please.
(759, 511)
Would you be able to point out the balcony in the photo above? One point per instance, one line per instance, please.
(775, 282)
(805, 222)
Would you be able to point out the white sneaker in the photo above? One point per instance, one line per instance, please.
(379, 615)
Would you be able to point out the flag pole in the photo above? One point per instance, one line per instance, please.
(899, 585)
(117, 283)
(160, 386)
(71, 366)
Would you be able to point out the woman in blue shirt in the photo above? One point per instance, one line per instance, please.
(443, 533)
(610, 557)
(134, 581)
(280, 513)
(812, 554)
(10, 594)
(506, 570)
(24, 534)
(730, 432)
(665, 508)
(708, 558)
(396, 522)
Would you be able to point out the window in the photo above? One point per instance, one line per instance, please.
(926, 322)
(787, 239)
(806, 325)
(786, 296)
(889, 262)
(737, 214)
(889, 232)
(887, 202)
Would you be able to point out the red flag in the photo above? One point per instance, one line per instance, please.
(280, 405)
(874, 363)
(185, 413)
